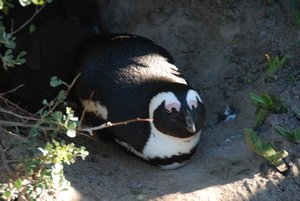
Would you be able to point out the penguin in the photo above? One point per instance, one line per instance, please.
(125, 76)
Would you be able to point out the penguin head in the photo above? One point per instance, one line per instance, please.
(177, 110)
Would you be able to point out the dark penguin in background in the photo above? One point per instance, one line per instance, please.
(52, 49)
(132, 77)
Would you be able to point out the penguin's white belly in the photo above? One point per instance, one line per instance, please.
(163, 147)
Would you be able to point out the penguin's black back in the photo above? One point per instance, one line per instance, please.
(125, 71)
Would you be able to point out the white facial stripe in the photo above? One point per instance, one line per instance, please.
(168, 97)
(95, 107)
(192, 99)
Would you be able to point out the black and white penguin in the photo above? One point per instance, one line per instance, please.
(132, 77)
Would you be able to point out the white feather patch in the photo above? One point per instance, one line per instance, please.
(192, 98)
(156, 101)
(130, 148)
(164, 146)
(95, 107)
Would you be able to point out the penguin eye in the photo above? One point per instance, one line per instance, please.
(168, 111)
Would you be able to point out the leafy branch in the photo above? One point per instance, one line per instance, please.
(42, 174)
(8, 59)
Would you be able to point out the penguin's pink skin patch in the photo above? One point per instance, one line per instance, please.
(193, 104)
(170, 106)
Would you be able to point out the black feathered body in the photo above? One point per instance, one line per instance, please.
(125, 71)
(124, 77)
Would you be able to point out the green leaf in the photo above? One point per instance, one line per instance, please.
(71, 133)
(260, 100)
(1, 4)
(57, 116)
(265, 150)
(72, 125)
(38, 2)
(268, 102)
(55, 81)
(18, 183)
(7, 195)
(45, 102)
(293, 136)
(274, 64)
(32, 28)
(25, 2)
(61, 96)
(260, 116)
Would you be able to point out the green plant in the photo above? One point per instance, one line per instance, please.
(41, 173)
(5, 5)
(293, 136)
(7, 39)
(266, 150)
(266, 104)
(274, 64)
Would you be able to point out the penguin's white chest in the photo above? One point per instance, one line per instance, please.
(163, 146)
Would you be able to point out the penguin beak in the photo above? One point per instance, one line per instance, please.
(190, 124)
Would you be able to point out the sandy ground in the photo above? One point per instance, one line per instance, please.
(220, 49)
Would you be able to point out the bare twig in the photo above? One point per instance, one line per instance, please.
(109, 124)
(12, 90)
(21, 124)
(90, 135)
(89, 130)
(29, 20)
(18, 115)
(72, 84)
(17, 107)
